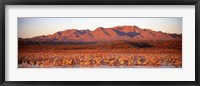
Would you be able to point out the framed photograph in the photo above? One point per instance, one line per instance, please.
(109, 42)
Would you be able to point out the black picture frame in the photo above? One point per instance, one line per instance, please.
(98, 2)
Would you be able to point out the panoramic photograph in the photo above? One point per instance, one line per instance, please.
(99, 42)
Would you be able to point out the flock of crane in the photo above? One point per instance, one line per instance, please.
(96, 60)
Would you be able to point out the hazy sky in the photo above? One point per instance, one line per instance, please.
(30, 27)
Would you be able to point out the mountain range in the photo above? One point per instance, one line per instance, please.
(100, 34)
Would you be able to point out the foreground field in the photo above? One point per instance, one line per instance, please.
(62, 59)
(92, 56)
